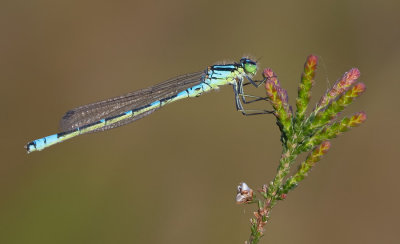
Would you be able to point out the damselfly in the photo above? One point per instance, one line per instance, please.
(114, 112)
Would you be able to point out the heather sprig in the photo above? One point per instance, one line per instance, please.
(304, 91)
(347, 80)
(325, 115)
(334, 130)
(301, 133)
(305, 167)
(279, 100)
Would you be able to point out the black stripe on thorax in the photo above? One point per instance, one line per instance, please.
(224, 67)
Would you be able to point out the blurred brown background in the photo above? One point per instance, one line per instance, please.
(171, 177)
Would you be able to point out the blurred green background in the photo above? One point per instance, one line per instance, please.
(171, 177)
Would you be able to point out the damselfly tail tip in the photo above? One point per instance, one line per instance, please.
(28, 147)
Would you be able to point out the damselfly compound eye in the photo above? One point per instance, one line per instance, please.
(249, 66)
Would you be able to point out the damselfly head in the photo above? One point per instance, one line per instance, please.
(249, 66)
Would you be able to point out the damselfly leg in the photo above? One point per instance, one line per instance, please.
(256, 84)
(240, 97)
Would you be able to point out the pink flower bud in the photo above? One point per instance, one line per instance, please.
(357, 119)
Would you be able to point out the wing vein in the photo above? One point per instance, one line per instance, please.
(93, 112)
